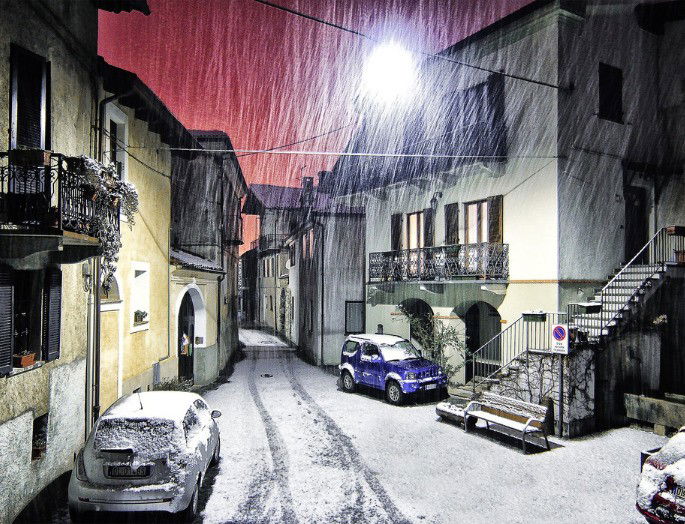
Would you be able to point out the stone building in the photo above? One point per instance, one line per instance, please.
(207, 189)
(49, 105)
(549, 154)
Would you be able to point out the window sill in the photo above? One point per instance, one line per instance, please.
(19, 371)
(141, 326)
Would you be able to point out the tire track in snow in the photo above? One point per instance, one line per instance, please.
(279, 453)
(332, 428)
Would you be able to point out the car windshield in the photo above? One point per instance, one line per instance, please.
(401, 350)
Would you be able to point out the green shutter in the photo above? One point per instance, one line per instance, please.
(52, 313)
(428, 227)
(495, 228)
(452, 224)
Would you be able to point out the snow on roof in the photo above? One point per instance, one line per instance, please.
(272, 197)
(384, 340)
(194, 261)
(171, 405)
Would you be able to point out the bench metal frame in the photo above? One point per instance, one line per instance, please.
(531, 420)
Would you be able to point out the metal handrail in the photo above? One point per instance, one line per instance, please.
(511, 344)
(651, 259)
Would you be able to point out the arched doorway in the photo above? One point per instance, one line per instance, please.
(186, 338)
(482, 324)
(421, 321)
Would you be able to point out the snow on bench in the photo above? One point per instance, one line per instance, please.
(518, 415)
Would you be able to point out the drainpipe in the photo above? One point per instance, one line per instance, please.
(323, 273)
(89, 356)
(168, 294)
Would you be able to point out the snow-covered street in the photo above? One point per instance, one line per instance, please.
(295, 448)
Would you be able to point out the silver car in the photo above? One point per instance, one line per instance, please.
(148, 452)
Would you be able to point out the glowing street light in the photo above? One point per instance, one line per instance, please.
(389, 75)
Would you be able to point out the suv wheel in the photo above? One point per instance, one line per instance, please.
(394, 393)
(348, 384)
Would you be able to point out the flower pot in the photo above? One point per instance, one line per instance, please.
(679, 257)
(23, 361)
(30, 157)
(676, 230)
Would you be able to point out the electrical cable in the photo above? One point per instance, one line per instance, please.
(415, 51)
(299, 141)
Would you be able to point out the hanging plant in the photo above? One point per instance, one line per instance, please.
(109, 194)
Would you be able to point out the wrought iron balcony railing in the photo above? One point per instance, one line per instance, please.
(272, 241)
(482, 261)
(39, 189)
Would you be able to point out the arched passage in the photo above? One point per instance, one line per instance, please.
(421, 320)
(191, 329)
(482, 324)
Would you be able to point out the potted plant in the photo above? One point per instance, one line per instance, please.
(679, 257)
(139, 317)
(23, 359)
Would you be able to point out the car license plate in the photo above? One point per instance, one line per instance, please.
(431, 386)
(128, 471)
(679, 492)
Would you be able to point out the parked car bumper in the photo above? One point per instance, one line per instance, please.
(425, 384)
(664, 511)
(85, 497)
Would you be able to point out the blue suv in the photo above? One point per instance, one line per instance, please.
(389, 363)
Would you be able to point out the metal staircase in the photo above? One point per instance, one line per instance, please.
(620, 298)
(614, 304)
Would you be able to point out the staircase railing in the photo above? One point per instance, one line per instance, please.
(531, 332)
(650, 260)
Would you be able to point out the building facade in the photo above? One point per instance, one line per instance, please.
(48, 74)
(540, 171)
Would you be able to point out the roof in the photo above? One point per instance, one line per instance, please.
(117, 6)
(383, 340)
(191, 261)
(171, 405)
(135, 94)
(265, 196)
(214, 135)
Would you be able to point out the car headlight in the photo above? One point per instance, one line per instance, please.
(411, 376)
(80, 467)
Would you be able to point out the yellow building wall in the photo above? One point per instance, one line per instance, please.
(146, 242)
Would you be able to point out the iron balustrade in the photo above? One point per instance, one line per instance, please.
(529, 333)
(39, 190)
(624, 289)
(272, 241)
(484, 260)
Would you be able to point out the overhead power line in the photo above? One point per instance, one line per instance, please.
(415, 51)
(298, 141)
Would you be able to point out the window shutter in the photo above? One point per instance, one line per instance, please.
(495, 234)
(31, 74)
(52, 313)
(396, 232)
(451, 224)
(6, 320)
(428, 227)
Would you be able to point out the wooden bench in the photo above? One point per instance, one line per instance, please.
(524, 417)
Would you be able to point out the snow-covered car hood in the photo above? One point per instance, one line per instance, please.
(663, 470)
(415, 365)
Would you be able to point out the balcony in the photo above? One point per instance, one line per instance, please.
(266, 242)
(484, 261)
(46, 209)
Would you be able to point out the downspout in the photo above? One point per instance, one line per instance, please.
(168, 294)
(323, 273)
(96, 280)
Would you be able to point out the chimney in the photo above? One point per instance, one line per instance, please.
(307, 191)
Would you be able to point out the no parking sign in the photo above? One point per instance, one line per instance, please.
(560, 339)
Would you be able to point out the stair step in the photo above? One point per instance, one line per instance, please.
(593, 323)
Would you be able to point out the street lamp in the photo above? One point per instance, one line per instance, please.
(389, 75)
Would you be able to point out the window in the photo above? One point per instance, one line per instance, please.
(291, 254)
(350, 347)
(311, 316)
(39, 439)
(370, 350)
(305, 255)
(452, 224)
(311, 243)
(140, 296)
(29, 100)
(30, 317)
(271, 303)
(396, 232)
(483, 221)
(116, 139)
(354, 317)
(475, 214)
(415, 238)
(610, 93)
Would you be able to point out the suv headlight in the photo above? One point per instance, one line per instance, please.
(411, 376)
(80, 467)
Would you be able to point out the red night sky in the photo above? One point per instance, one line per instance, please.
(267, 77)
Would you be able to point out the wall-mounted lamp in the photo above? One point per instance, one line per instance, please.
(87, 276)
(434, 200)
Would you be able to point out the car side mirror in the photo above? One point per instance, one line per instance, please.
(216, 413)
